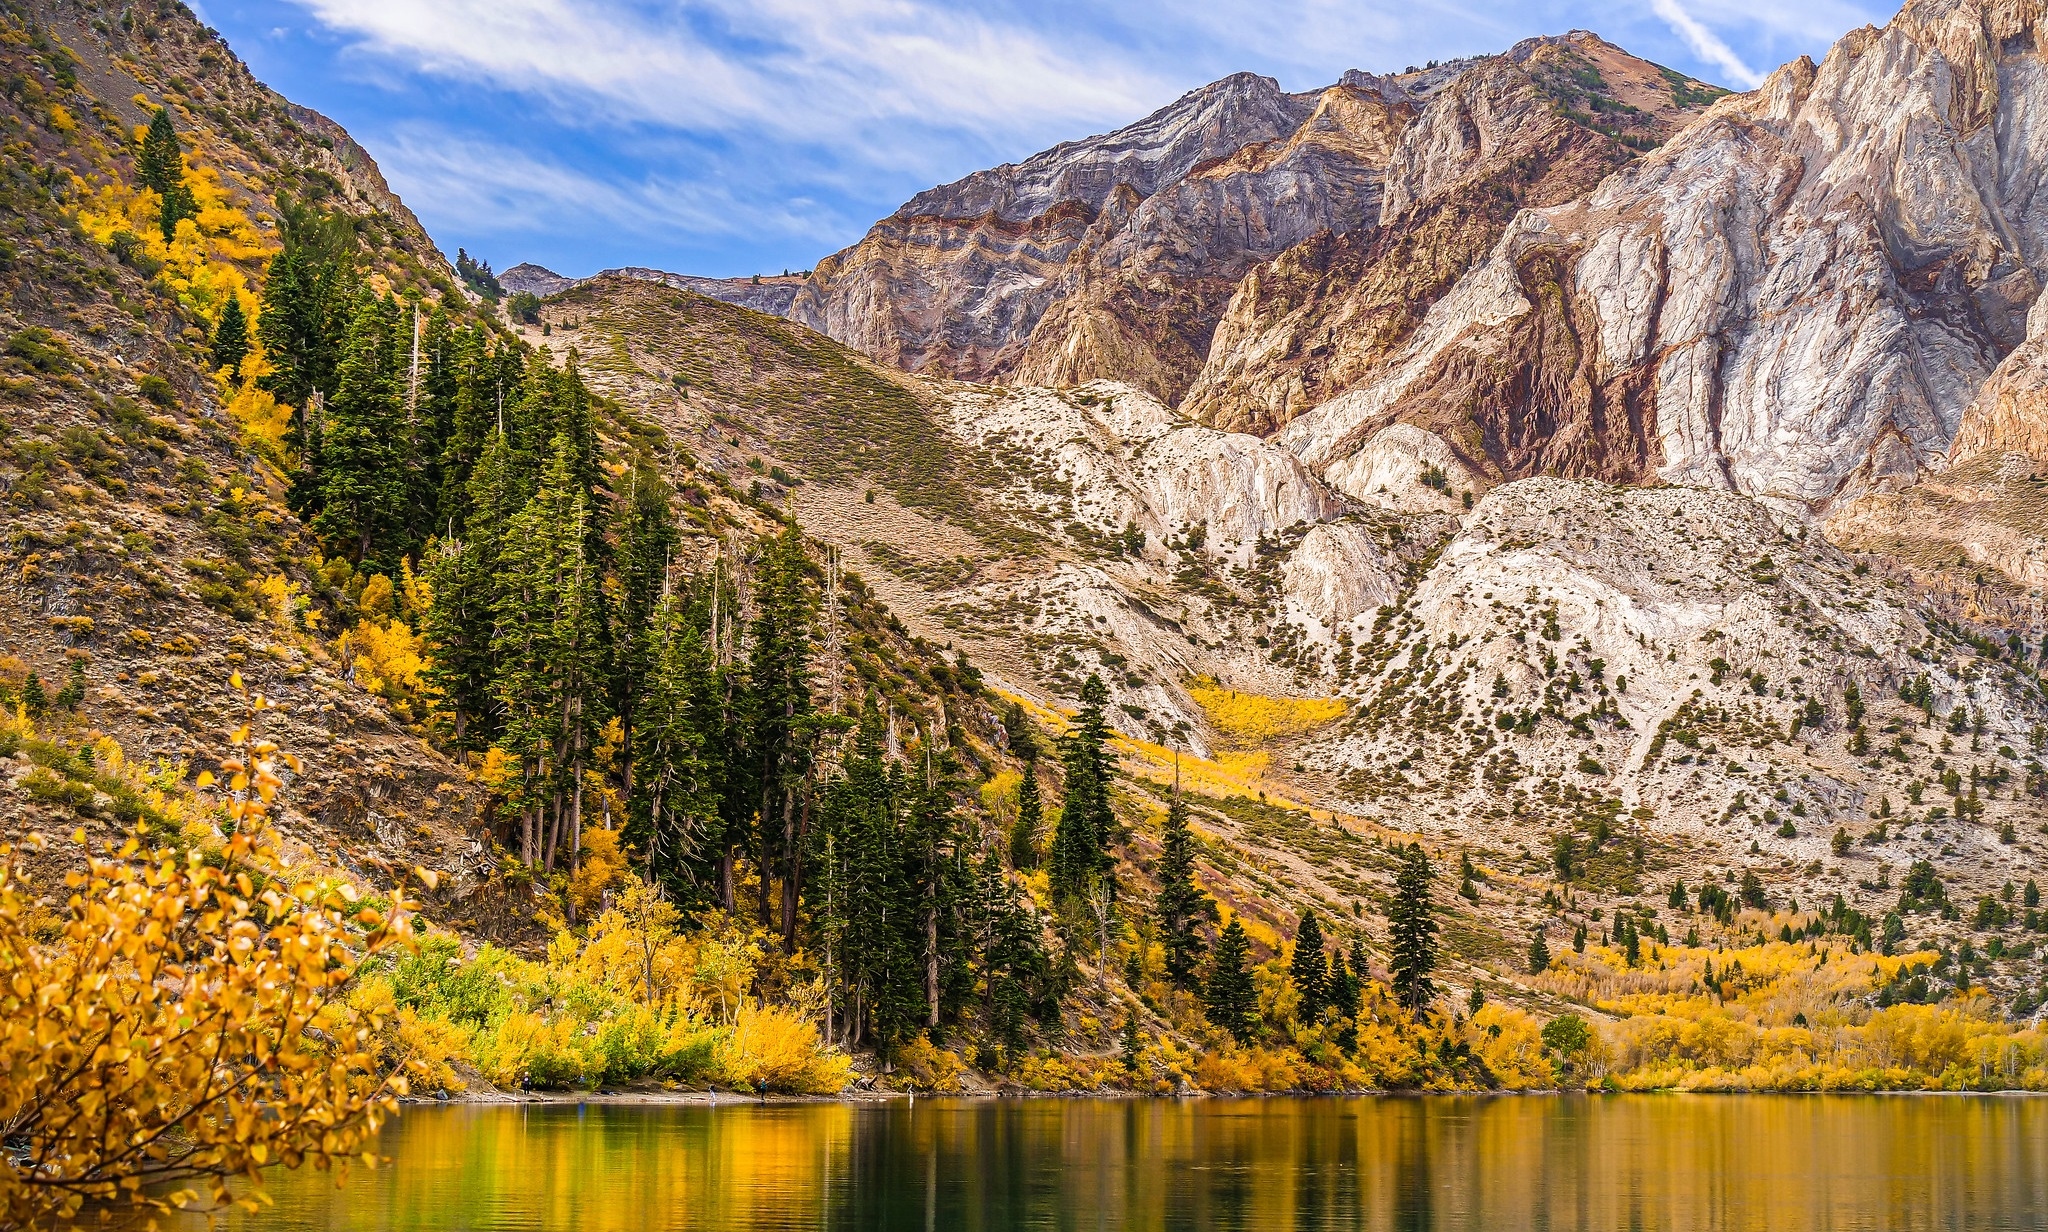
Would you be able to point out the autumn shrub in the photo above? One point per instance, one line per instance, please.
(771, 1048)
(187, 1020)
(634, 999)
(1785, 1016)
(924, 1067)
(426, 1048)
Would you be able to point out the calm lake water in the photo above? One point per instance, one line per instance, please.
(1501, 1165)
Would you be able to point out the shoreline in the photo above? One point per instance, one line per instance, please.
(713, 1099)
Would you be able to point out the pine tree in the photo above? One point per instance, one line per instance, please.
(1309, 970)
(72, 695)
(1030, 815)
(1181, 904)
(428, 415)
(779, 685)
(1130, 1045)
(548, 643)
(646, 536)
(460, 626)
(1539, 954)
(1344, 996)
(671, 809)
(1413, 929)
(1230, 997)
(231, 337)
(293, 327)
(161, 166)
(362, 478)
(467, 387)
(1080, 845)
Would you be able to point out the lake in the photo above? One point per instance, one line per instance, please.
(1440, 1162)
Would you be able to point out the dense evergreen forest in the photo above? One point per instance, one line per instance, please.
(586, 668)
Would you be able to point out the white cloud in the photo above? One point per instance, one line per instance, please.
(1706, 44)
(472, 186)
(808, 70)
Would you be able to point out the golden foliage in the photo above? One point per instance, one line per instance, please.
(265, 422)
(1509, 1042)
(925, 1067)
(207, 258)
(1253, 718)
(284, 603)
(772, 1048)
(186, 1024)
(388, 658)
(1785, 1016)
(600, 866)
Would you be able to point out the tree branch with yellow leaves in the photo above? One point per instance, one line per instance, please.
(186, 1023)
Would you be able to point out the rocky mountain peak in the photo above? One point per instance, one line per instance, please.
(1202, 124)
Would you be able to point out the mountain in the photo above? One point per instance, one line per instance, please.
(1538, 126)
(1546, 444)
(769, 293)
(1115, 257)
(1615, 485)
(1797, 298)
(1685, 665)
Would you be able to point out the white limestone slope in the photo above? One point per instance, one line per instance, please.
(1570, 623)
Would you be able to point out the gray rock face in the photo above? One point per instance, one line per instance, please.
(1797, 298)
(770, 294)
(1540, 125)
(534, 280)
(1138, 299)
(955, 281)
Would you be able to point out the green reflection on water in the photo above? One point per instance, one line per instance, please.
(1500, 1165)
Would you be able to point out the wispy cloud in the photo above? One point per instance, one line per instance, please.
(1706, 44)
(813, 70)
(732, 135)
(475, 185)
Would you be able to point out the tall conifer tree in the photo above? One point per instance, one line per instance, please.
(550, 653)
(362, 477)
(161, 166)
(646, 534)
(1412, 924)
(1230, 997)
(671, 805)
(1081, 842)
(779, 681)
(1181, 905)
(231, 337)
(461, 625)
(1030, 816)
(1309, 970)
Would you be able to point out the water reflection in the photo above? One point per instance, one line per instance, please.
(1538, 1163)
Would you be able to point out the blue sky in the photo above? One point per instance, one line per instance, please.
(730, 137)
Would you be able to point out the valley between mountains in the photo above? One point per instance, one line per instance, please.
(1626, 497)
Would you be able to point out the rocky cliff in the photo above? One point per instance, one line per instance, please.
(1116, 257)
(771, 293)
(1798, 297)
(955, 282)
(1538, 126)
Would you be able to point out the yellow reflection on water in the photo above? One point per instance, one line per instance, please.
(1737, 1163)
